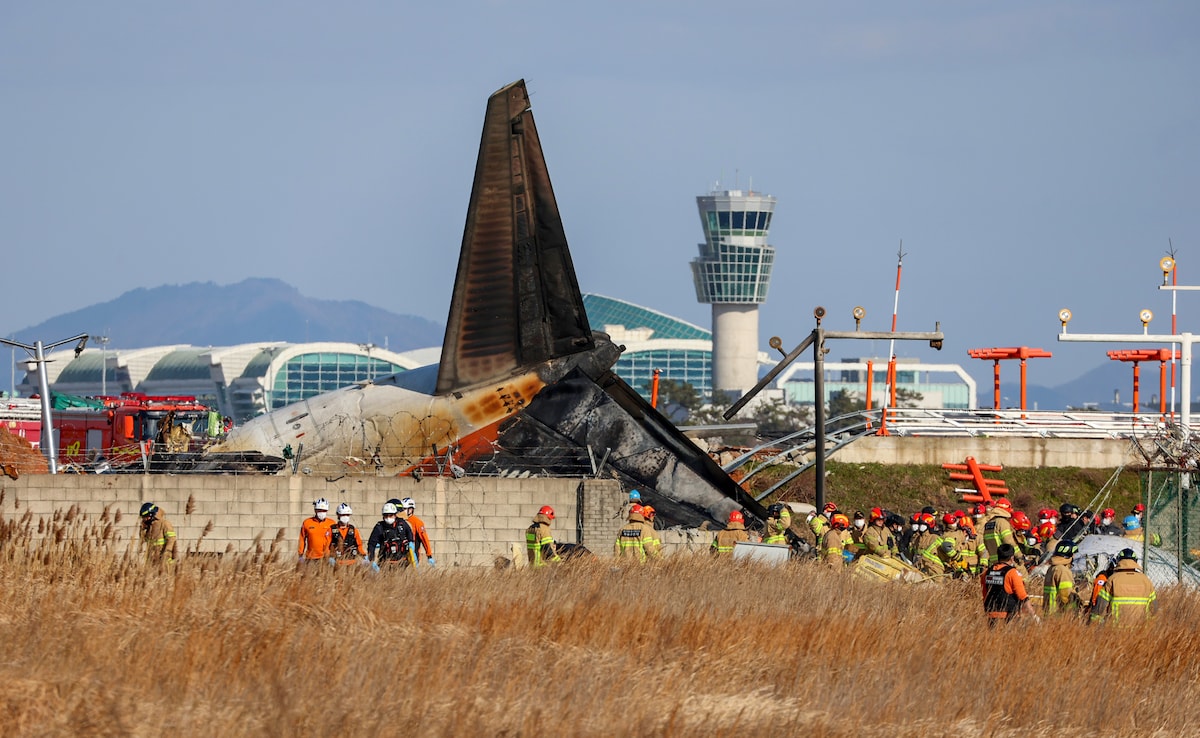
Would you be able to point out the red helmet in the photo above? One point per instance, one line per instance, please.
(1108, 512)
(1139, 508)
(1003, 504)
(959, 514)
(647, 512)
(829, 507)
(736, 517)
(1046, 530)
(1020, 521)
(1046, 514)
(840, 521)
(949, 519)
(636, 508)
(979, 509)
(876, 514)
(928, 519)
(547, 511)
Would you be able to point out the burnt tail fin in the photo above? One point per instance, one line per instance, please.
(516, 299)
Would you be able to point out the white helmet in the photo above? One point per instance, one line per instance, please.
(389, 508)
(344, 509)
(321, 504)
(408, 504)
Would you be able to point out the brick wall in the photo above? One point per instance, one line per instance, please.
(471, 521)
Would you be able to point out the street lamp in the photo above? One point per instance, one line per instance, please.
(38, 353)
(103, 341)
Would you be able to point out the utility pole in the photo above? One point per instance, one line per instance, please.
(38, 353)
(816, 339)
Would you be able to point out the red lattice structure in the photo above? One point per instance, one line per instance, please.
(986, 490)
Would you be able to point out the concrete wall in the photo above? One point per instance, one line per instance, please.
(1019, 452)
(470, 521)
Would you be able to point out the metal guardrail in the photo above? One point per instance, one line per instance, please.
(1026, 424)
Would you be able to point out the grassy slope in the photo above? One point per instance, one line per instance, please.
(906, 489)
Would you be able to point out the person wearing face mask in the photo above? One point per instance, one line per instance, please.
(858, 527)
(315, 534)
(877, 539)
(391, 541)
(1108, 523)
(345, 543)
(911, 538)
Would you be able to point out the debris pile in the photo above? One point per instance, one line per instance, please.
(17, 457)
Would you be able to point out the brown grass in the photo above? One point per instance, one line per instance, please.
(96, 643)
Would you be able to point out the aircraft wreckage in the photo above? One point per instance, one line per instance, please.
(522, 375)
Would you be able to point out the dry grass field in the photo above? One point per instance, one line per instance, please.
(96, 643)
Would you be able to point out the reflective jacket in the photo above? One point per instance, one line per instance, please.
(1058, 589)
(724, 541)
(315, 538)
(876, 539)
(998, 530)
(776, 527)
(650, 540)
(159, 538)
(346, 544)
(630, 543)
(539, 543)
(391, 543)
(833, 543)
(1003, 591)
(1128, 596)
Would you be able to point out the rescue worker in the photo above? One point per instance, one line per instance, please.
(998, 530)
(345, 542)
(1027, 545)
(1108, 523)
(858, 527)
(1128, 596)
(314, 533)
(877, 540)
(1070, 523)
(1140, 511)
(835, 540)
(779, 519)
(895, 525)
(954, 560)
(1004, 595)
(420, 535)
(1098, 586)
(819, 523)
(1058, 588)
(158, 534)
(391, 542)
(1135, 532)
(937, 553)
(735, 531)
(650, 540)
(539, 543)
(630, 545)
(917, 527)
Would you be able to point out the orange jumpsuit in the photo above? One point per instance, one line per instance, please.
(420, 536)
(314, 538)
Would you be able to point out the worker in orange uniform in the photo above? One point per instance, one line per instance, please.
(315, 535)
(650, 540)
(345, 542)
(158, 534)
(1098, 586)
(835, 541)
(1128, 597)
(539, 543)
(735, 531)
(630, 545)
(1058, 588)
(1004, 595)
(420, 535)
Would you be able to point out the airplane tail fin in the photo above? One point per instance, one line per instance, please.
(516, 299)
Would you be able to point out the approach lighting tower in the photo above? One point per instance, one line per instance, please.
(732, 274)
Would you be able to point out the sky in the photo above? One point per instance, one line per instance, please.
(1030, 156)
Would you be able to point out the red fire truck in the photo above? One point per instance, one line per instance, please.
(126, 429)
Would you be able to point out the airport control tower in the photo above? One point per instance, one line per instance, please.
(732, 274)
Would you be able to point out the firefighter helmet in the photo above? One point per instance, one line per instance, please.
(1003, 504)
(344, 509)
(1108, 512)
(829, 508)
(775, 510)
(647, 512)
(635, 496)
(148, 509)
(928, 520)
(1066, 547)
(1127, 553)
(389, 508)
(949, 519)
(1068, 509)
(321, 504)
(736, 517)
(1139, 508)
(547, 511)
(876, 514)
(1131, 522)
(407, 504)
(840, 521)
(1020, 521)
(979, 510)
(636, 509)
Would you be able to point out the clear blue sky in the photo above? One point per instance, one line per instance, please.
(1032, 155)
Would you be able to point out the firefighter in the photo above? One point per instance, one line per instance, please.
(1070, 522)
(345, 542)
(877, 540)
(1004, 595)
(630, 545)
(158, 534)
(420, 535)
(858, 528)
(1058, 589)
(1108, 525)
(650, 540)
(835, 541)
(314, 533)
(819, 522)
(539, 543)
(1128, 596)
(391, 542)
(779, 519)
(735, 531)
(1135, 532)
(998, 529)
(938, 553)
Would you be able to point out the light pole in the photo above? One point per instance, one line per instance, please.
(103, 341)
(38, 352)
